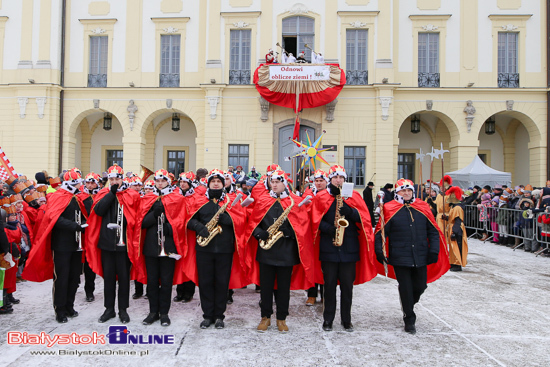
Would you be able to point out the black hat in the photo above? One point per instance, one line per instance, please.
(370, 183)
(40, 178)
(477, 188)
(388, 186)
(487, 187)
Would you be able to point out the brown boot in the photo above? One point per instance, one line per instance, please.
(281, 325)
(517, 242)
(310, 301)
(484, 237)
(264, 324)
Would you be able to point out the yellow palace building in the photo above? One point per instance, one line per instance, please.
(168, 83)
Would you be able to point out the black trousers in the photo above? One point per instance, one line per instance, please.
(139, 287)
(332, 273)
(412, 283)
(268, 275)
(66, 278)
(160, 275)
(186, 289)
(312, 292)
(116, 264)
(214, 271)
(89, 279)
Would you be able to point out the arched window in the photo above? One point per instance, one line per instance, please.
(298, 31)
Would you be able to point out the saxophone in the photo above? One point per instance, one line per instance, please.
(213, 227)
(274, 233)
(340, 222)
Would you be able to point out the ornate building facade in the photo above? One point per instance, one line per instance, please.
(168, 83)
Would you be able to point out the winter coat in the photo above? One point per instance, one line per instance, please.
(63, 237)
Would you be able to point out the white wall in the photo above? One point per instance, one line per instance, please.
(103, 138)
(184, 137)
(521, 174)
(12, 35)
(494, 144)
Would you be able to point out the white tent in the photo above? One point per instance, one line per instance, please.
(478, 173)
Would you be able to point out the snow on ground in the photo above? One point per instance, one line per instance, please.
(494, 313)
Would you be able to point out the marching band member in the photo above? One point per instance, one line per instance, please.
(320, 182)
(149, 187)
(278, 249)
(346, 252)
(58, 249)
(112, 221)
(456, 232)
(91, 188)
(186, 290)
(408, 240)
(162, 243)
(214, 262)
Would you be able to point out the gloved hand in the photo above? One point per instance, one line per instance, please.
(113, 226)
(263, 235)
(377, 210)
(203, 232)
(159, 209)
(380, 258)
(225, 219)
(332, 232)
(346, 210)
(453, 236)
(444, 217)
(334, 190)
(114, 188)
(432, 258)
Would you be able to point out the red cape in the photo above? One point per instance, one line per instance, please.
(39, 266)
(365, 269)
(174, 209)
(303, 273)
(239, 277)
(435, 271)
(130, 199)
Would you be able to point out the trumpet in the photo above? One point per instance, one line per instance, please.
(282, 49)
(160, 234)
(120, 225)
(78, 234)
(307, 46)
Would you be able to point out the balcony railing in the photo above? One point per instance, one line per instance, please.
(508, 80)
(239, 76)
(97, 80)
(428, 80)
(169, 80)
(357, 77)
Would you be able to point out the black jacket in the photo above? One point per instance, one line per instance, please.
(4, 243)
(151, 245)
(367, 197)
(388, 195)
(349, 251)
(107, 208)
(223, 243)
(63, 232)
(410, 239)
(285, 251)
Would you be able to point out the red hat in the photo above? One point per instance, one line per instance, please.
(135, 181)
(149, 184)
(188, 177)
(162, 174)
(92, 177)
(271, 168)
(447, 179)
(403, 184)
(456, 191)
(215, 173)
(321, 174)
(115, 171)
(337, 170)
(229, 175)
(72, 177)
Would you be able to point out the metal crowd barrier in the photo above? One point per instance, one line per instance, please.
(496, 222)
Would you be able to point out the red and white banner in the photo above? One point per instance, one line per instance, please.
(6, 169)
(303, 73)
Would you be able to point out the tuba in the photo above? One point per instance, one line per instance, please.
(213, 226)
(145, 173)
(340, 222)
(274, 233)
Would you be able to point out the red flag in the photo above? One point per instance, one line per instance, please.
(6, 169)
(296, 133)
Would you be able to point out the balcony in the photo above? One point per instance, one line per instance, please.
(97, 80)
(239, 76)
(428, 80)
(169, 80)
(508, 80)
(357, 77)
